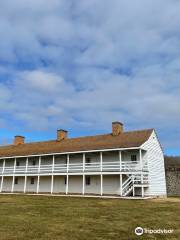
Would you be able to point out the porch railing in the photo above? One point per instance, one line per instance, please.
(114, 166)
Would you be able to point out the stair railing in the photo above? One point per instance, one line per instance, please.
(127, 185)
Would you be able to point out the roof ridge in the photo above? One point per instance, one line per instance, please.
(110, 134)
(85, 143)
(74, 138)
(139, 130)
(12, 145)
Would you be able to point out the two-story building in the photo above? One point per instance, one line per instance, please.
(119, 163)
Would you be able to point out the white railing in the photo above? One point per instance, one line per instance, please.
(127, 186)
(113, 166)
(138, 179)
(133, 180)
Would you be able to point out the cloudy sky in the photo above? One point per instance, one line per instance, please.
(79, 65)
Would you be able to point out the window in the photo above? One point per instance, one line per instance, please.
(88, 180)
(65, 180)
(133, 158)
(32, 180)
(16, 180)
(88, 160)
(17, 164)
(34, 162)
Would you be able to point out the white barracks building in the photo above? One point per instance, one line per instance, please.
(120, 163)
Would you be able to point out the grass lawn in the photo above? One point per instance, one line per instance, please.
(68, 218)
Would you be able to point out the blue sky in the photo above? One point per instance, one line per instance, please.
(79, 65)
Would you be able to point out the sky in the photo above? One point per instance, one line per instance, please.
(79, 65)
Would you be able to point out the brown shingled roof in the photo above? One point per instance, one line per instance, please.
(124, 140)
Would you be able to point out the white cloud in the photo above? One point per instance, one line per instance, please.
(40, 81)
(85, 63)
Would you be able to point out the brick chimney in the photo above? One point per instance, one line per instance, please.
(62, 134)
(18, 140)
(117, 128)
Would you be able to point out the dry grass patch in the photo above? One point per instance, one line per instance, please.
(66, 218)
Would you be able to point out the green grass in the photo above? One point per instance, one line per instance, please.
(68, 218)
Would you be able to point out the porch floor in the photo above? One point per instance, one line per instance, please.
(80, 195)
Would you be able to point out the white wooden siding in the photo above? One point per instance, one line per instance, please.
(155, 157)
(7, 184)
(75, 184)
(111, 184)
(59, 184)
(20, 186)
(31, 187)
(45, 184)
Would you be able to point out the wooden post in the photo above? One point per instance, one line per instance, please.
(84, 159)
(142, 191)
(101, 184)
(121, 185)
(83, 187)
(141, 164)
(133, 192)
(140, 159)
(101, 169)
(12, 188)
(67, 175)
(25, 179)
(2, 178)
(120, 161)
(52, 177)
(101, 162)
(133, 185)
(38, 180)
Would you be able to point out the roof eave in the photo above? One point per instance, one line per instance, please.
(75, 152)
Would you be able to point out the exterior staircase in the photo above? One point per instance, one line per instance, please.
(127, 186)
(133, 181)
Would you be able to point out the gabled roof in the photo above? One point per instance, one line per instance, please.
(98, 142)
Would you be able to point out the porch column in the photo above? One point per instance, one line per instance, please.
(141, 164)
(133, 186)
(67, 175)
(25, 179)
(12, 188)
(142, 191)
(83, 187)
(101, 169)
(52, 177)
(120, 161)
(101, 162)
(101, 184)
(2, 178)
(120, 184)
(140, 159)
(39, 168)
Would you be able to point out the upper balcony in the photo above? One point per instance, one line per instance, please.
(110, 162)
